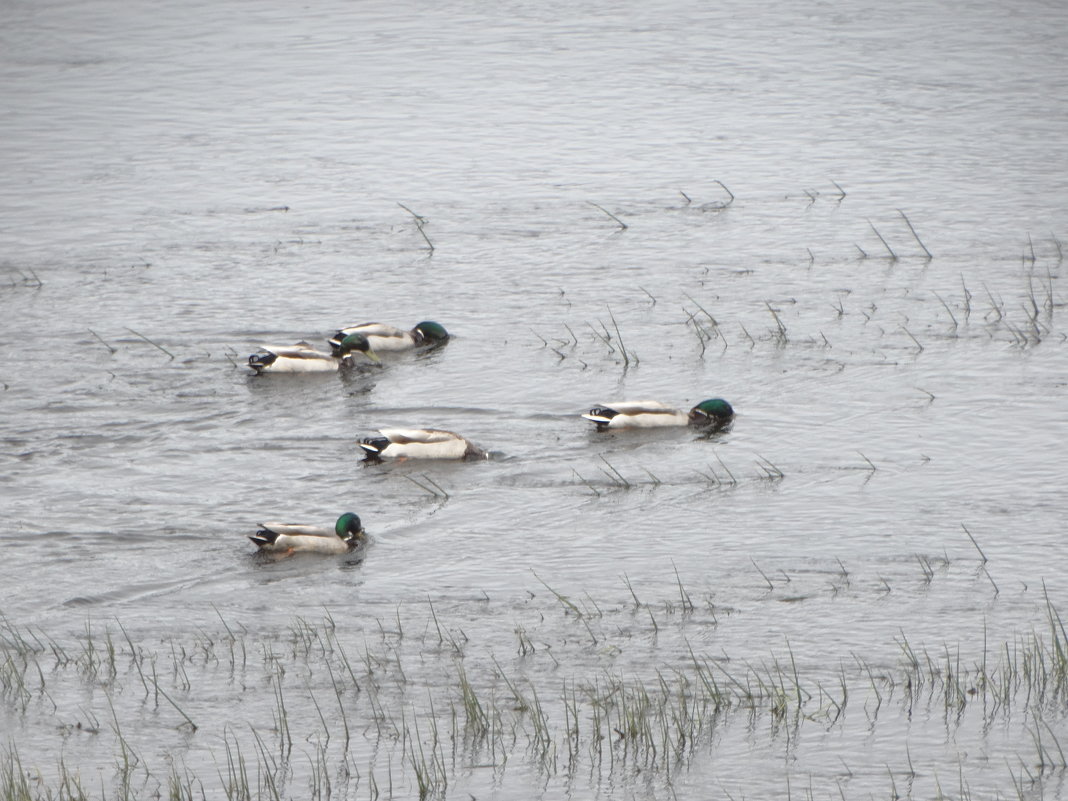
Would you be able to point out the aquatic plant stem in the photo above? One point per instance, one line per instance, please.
(890, 250)
(908, 222)
(619, 338)
(420, 221)
(622, 225)
(762, 573)
(150, 342)
(730, 194)
(101, 340)
(976, 544)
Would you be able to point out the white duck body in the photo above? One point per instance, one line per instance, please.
(303, 358)
(390, 339)
(420, 443)
(637, 414)
(305, 539)
(287, 538)
(383, 338)
(299, 358)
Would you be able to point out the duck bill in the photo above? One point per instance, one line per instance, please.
(370, 354)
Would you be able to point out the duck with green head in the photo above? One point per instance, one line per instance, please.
(714, 412)
(390, 339)
(303, 358)
(289, 538)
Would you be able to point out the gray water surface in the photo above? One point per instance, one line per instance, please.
(183, 183)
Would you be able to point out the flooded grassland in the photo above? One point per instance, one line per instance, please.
(853, 590)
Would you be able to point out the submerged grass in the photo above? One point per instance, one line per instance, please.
(426, 706)
(1022, 310)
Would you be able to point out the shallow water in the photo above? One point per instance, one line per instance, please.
(177, 194)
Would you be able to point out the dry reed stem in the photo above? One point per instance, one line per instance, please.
(890, 250)
(622, 225)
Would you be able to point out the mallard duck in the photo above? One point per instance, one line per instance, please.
(651, 414)
(390, 339)
(287, 538)
(419, 443)
(303, 358)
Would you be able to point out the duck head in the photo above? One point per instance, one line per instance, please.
(356, 342)
(430, 333)
(349, 528)
(714, 411)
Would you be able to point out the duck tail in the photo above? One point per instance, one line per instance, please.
(261, 361)
(373, 446)
(335, 343)
(264, 537)
(601, 416)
